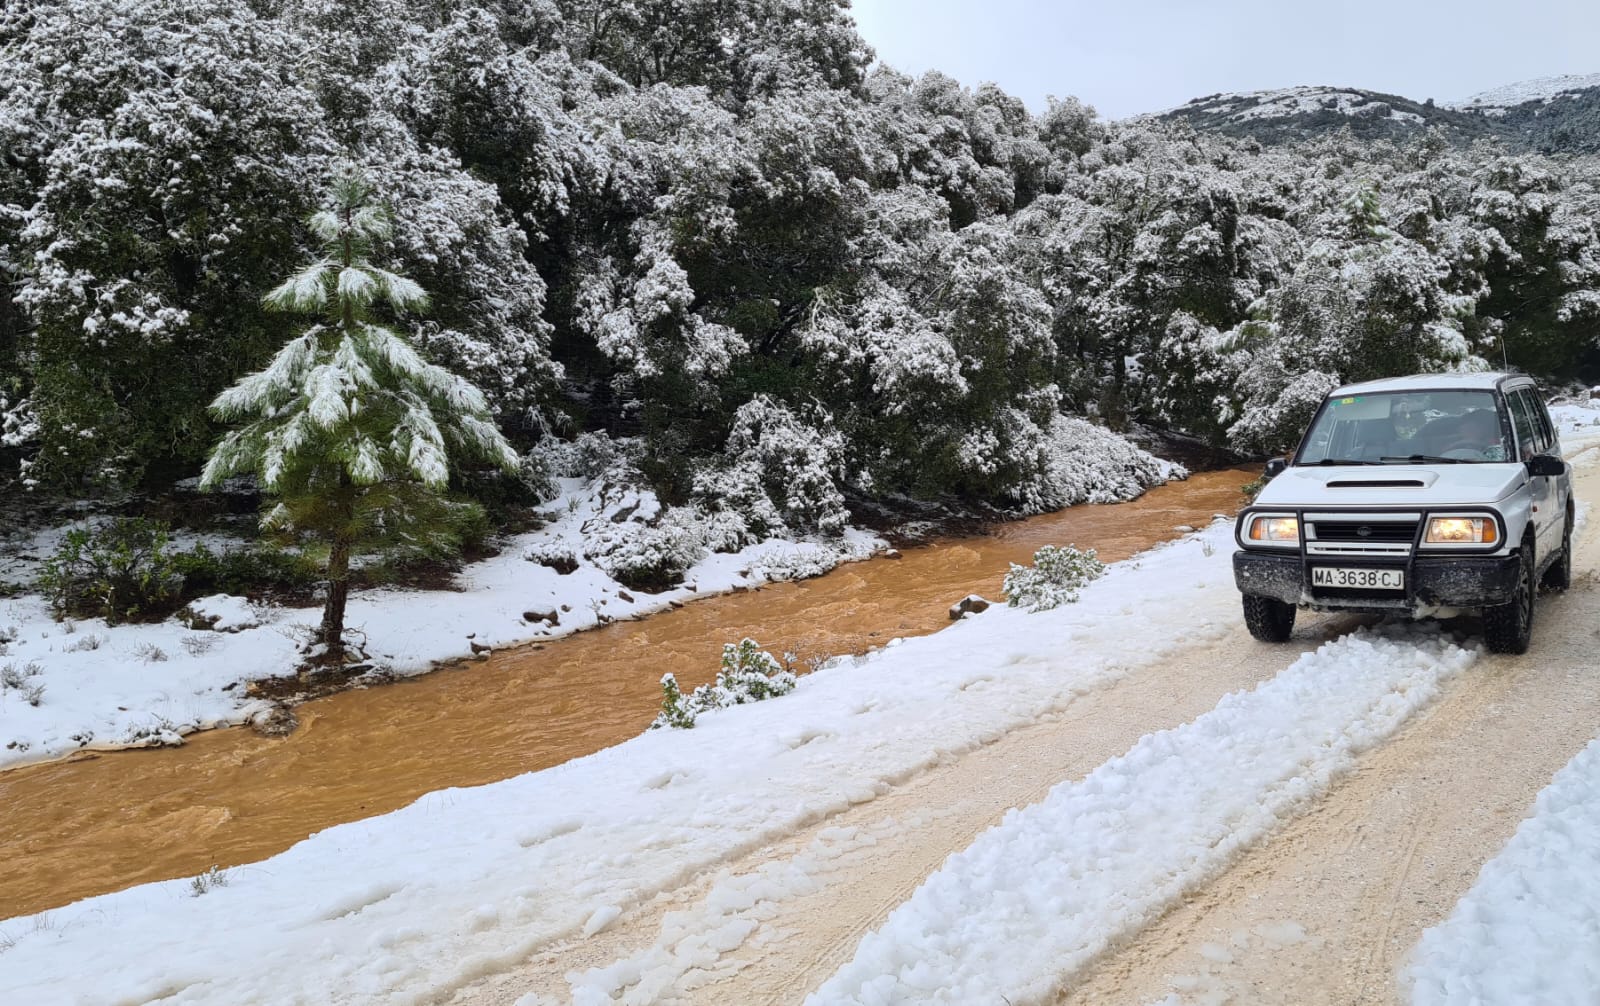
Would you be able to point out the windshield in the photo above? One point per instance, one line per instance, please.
(1463, 427)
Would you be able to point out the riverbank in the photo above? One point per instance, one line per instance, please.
(82, 686)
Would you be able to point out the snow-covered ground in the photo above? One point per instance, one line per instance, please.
(1529, 930)
(86, 685)
(398, 908)
(1544, 89)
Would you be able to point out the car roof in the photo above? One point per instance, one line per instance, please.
(1486, 381)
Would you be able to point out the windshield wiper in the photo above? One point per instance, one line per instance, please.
(1431, 458)
(1343, 461)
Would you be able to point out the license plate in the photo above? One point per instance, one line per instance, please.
(1359, 579)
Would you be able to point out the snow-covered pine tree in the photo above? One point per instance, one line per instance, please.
(349, 429)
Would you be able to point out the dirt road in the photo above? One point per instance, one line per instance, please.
(1324, 911)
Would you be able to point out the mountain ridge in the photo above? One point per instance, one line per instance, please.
(1553, 115)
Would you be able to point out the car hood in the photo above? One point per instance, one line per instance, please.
(1393, 485)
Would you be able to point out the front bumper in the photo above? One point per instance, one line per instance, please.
(1456, 581)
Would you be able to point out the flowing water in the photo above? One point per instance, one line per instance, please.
(100, 823)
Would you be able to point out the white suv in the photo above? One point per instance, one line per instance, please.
(1422, 495)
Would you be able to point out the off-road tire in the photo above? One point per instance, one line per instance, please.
(1558, 576)
(1508, 628)
(1269, 619)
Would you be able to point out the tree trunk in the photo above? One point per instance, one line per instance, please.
(338, 593)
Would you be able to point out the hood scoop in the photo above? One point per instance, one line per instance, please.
(1376, 484)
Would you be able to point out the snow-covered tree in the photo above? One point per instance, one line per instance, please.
(349, 429)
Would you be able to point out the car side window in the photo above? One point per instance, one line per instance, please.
(1542, 414)
(1544, 437)
(1527, 428)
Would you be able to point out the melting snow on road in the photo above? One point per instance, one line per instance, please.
(1529, 930)
(1055, 884)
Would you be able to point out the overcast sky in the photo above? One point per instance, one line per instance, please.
(1130, 57)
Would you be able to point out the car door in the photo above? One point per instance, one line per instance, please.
(1561, 487)
(1531, 440)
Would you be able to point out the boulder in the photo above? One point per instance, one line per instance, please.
(971, 603)
(549, 617)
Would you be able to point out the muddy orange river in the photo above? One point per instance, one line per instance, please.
(101, 823)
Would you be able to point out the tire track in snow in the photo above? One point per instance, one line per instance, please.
(1056, 884)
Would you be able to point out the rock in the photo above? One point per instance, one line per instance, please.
(892, 553)
(676, 604)
(480, 648)
(692, 588)
(549, 617)
(625, 596)
(971, 603)
(566, 607)
(482, 655)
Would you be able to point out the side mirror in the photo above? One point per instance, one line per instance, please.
(1276, 467)
(1546, 466)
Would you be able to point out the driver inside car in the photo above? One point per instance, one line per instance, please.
(1478, 438)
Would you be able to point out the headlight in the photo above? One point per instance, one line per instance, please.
(1275, 529)
(1461, 531)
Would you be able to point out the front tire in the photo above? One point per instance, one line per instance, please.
(1269, 619)
(1508, 628)
(1559, 576)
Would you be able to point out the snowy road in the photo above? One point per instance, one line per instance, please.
(1324, 910)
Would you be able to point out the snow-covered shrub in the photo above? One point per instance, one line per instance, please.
(87, 644)
(736, 491)
(208, 881)
(725, 531)
(1084, 463)
(648, 557)
(1054, 579)
(803, 563)
(779, 471)
(16, 678)
(555, 555)
(117, 571)
(198, 645)
(675, 711)
(586, 456)
(748, 674)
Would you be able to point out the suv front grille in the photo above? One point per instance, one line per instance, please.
(1375, 535)
(1357, 532)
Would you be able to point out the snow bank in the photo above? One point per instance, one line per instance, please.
(405, 907)
(1055, 884)
(137, 685)
(1529, 930)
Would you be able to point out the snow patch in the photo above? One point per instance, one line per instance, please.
(1529, 930)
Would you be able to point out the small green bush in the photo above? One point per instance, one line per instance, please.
(120, 571)
(1054, 579)
(246, 572)
(748, 674)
